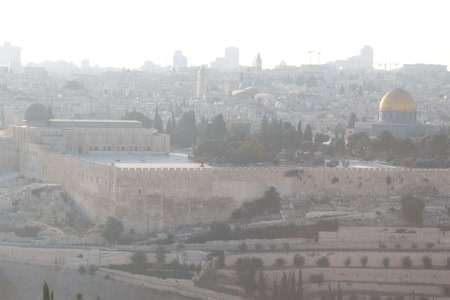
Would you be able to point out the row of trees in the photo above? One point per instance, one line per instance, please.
(233, 142)
(432, 151)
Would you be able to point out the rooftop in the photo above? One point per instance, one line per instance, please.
(141, 160)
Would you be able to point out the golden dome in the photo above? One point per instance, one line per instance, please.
(398, 100)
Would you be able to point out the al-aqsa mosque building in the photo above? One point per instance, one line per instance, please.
(398, 115)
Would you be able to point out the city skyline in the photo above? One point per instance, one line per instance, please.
(115, 35)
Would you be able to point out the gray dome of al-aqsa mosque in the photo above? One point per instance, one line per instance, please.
(36, 115)
(397, 114)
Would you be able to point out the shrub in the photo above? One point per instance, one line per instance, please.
(448, 263)
(299, 261)
(27, 231)
(92, 269)
(107, 276)
(243, 247)
(219, 262)
(407, 262)
(427, 262)
(398, 246)
(113, 229)
(286, 246)
(316, 278)
(125, 239)
(446, 289)
(364, 260)
(258, 246)
(323, 262)
(279, 262)
(139, 259)
(273, 246)
(382, 245)
(429, 245)
(386, 262)
(348, 261)
(82, 269)
(414, 246)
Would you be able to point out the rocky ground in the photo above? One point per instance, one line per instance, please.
(24, 282)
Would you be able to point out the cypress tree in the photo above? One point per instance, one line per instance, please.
(275, 289)
(292, 287)
(158, 122)
(300, 130)
(307, 136)
(339, 292)
(262, 284)
(45, 291)
(284, 288)
(300, 285)
(331, 295)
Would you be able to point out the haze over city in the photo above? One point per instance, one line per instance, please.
(226, 150)
(127, 33)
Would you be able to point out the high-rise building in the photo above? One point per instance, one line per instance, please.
(231, 57)
(85, 64)
(179, 61)
(366, 57)
(201, 83)
(10, 56)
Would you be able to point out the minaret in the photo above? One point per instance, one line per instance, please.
(201, 83)
(258, 63)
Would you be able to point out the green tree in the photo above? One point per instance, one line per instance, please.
(412, 208)
(352, 120)
(299, 261)
(284, 287)
(245, 272)
(220, 230)
(323, 262)
(160, 254)
(239, 130)
(348, 261)
(407, 262)
(427, 262)
(275, 293)
(386, 262)
(321, 138)
(218, 128)
(300, 285)
(157, 124)
(262, 285)
(46, 291)
(185, 133)
(292, 287)
(139, 259)
(137, 116)
(113, 229)
(364, 259)
(307, 135)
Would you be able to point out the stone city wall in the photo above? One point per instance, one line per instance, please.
(148, 199)
(91, 185)
(9, 156)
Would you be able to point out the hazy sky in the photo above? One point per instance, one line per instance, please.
(126, 33)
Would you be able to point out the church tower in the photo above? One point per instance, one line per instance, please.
(258, 63)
